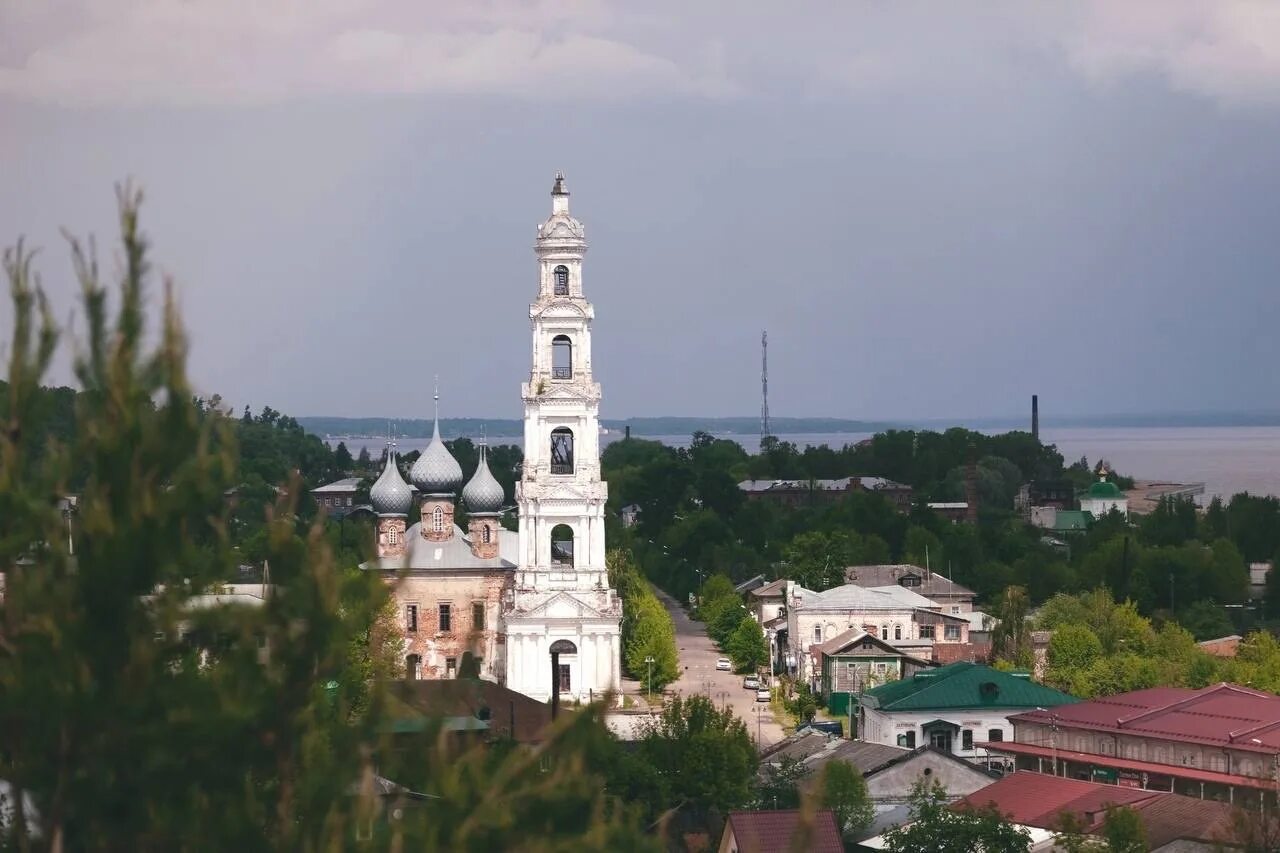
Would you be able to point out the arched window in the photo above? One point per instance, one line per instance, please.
(561, 357)
(562, 545)
(413, 667)
(437, 520)
(562, 450)
(561, 274)
(486, 534)
(393, 536)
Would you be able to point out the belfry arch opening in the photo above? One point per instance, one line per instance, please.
(562, 451)
(561, 276)
(561, 357)
(562, 546)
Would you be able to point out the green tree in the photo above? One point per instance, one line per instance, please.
(648, 635)
(342, 458)
(842, 789)
(1011, 639)
(937, 828)
(135, 718)
(779, 786)
(747, 646)
(701, 754)
(817, 560)
(651, 635)
(1124, 831)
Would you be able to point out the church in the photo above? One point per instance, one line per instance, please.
(532, 607)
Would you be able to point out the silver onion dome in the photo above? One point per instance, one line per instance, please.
(483, 494)
(391, 495)
(436, 472)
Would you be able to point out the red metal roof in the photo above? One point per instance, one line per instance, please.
(773, 831)
(1039, 800)
(1223, 714)
(1191, 773)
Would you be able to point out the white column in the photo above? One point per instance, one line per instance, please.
(615, 664)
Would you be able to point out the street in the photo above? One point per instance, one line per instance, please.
(698, 655)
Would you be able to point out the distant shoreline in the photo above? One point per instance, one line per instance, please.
(781, 427)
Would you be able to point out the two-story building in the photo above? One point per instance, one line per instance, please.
(856, 661)
(813, 618)
(1221, 741)
(950, 596)
(962, 708)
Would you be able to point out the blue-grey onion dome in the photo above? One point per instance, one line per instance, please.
(391, 495)
(483, 493)
(436, 472)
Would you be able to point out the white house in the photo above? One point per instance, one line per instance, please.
(952, 708)
(896, 615)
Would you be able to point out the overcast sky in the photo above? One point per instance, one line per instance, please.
(935, 209)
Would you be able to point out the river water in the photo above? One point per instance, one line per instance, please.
(1226, 459)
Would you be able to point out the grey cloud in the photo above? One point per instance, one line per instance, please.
(235, 52)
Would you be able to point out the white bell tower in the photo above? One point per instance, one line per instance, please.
(561, 592)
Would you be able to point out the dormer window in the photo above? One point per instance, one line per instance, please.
(561, 274)
(910, 580)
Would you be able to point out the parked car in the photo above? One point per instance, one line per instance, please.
(763, 694)
(751, 682)
(724, 665)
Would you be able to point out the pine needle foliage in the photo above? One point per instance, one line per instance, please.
(140, 713)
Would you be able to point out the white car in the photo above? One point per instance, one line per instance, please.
(751, 683)
(724, 665)
(763, 695)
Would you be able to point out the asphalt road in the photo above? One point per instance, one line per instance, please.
(698, 655)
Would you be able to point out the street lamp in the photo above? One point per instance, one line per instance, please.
(649, 661)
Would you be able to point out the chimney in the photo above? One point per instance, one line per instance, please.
(1035, 416)
(627, 434)
(971, 486)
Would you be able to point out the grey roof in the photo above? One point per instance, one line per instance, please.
(391, 495)
(346, 484)
(483, 494)
(772, 589)
(932, 583)
(451, 555)
(841, 484)
(436, 472)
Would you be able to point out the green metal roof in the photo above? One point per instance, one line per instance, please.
(1103, 489)
(1067, 520)
(963, 685)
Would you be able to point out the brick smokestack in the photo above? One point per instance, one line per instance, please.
(1035, 416)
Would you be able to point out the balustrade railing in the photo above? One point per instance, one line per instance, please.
(557, 468)
(562, 373)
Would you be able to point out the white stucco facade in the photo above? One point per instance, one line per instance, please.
(898, 616)
(907, 728)
(561, 590)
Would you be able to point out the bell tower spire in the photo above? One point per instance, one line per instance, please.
(560, 496)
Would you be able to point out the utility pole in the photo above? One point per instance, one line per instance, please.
(764, 385)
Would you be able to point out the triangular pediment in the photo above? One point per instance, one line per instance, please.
(564, 605)
(567, 392)
(563, 308)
